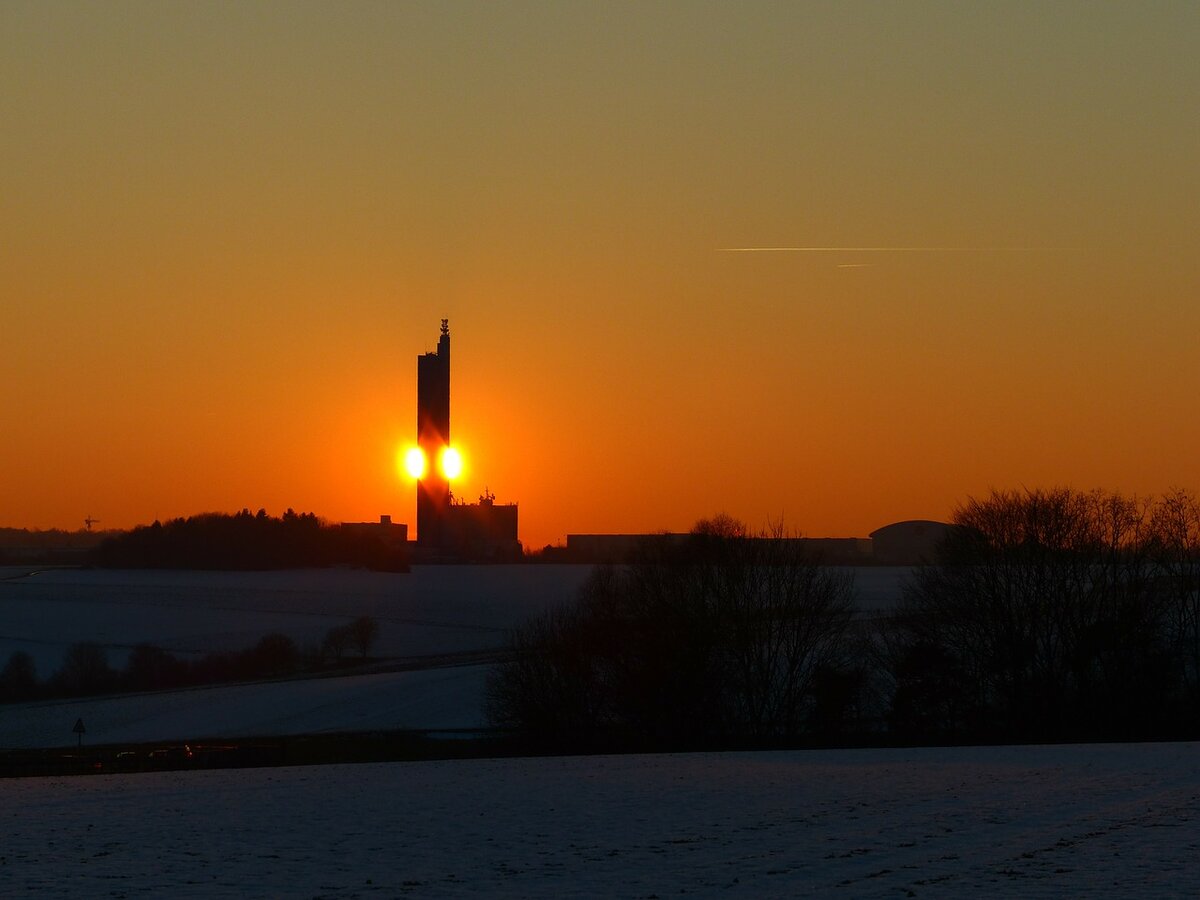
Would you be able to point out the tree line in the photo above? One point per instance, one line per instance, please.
(246, 541)
(1053, 615)
(725, 634)
(1046, 615)
(85, 669)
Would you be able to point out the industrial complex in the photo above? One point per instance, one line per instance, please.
(450, 530)
(447, 528)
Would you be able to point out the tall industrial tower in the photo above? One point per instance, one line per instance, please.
(433, 437)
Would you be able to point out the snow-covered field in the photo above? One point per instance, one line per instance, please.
(447, 698)
(1070, 821)
(434, 611)
(1067, 821)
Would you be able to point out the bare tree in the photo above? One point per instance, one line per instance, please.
(337, 639)
(1042, 605)
(85, 670)
(724, 635)
(152, 668)
(275, 654)
(18, 680)
(1176, 539)
(363, 632)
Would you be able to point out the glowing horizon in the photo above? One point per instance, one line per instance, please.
(884, 258)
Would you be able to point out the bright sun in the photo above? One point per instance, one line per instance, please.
(414, 462)
(451, 463)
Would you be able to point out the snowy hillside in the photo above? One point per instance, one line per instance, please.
(430, 699)
(436, 611)
(433, 610)
(1067, 821)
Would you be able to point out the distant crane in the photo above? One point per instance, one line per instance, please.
(89, 522)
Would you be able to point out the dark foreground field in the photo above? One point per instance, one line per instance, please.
(1033, 821)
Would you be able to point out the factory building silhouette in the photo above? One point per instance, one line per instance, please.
(448, 529)
(433, 437)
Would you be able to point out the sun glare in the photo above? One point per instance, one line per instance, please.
(451, 463)
(414, 462)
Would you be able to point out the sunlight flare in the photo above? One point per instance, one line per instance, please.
(451, 463)
(414, 462)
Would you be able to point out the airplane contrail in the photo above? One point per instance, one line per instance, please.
(873, 249)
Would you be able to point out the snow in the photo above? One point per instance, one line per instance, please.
(432, 610)
(430, 699)
(443, 611)
(1094, 821)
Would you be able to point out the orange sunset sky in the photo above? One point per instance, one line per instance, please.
(227, 230)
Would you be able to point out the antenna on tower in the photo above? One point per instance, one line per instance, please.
(445, 326)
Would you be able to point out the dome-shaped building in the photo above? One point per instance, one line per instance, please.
(907, 543)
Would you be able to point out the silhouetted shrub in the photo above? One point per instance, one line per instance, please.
(273, 655)
(932, 697)
(216, 667)
(359, 634)
(336, 642)
(18, 679)
(151, 668)
(363, 632)
(85, 670)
